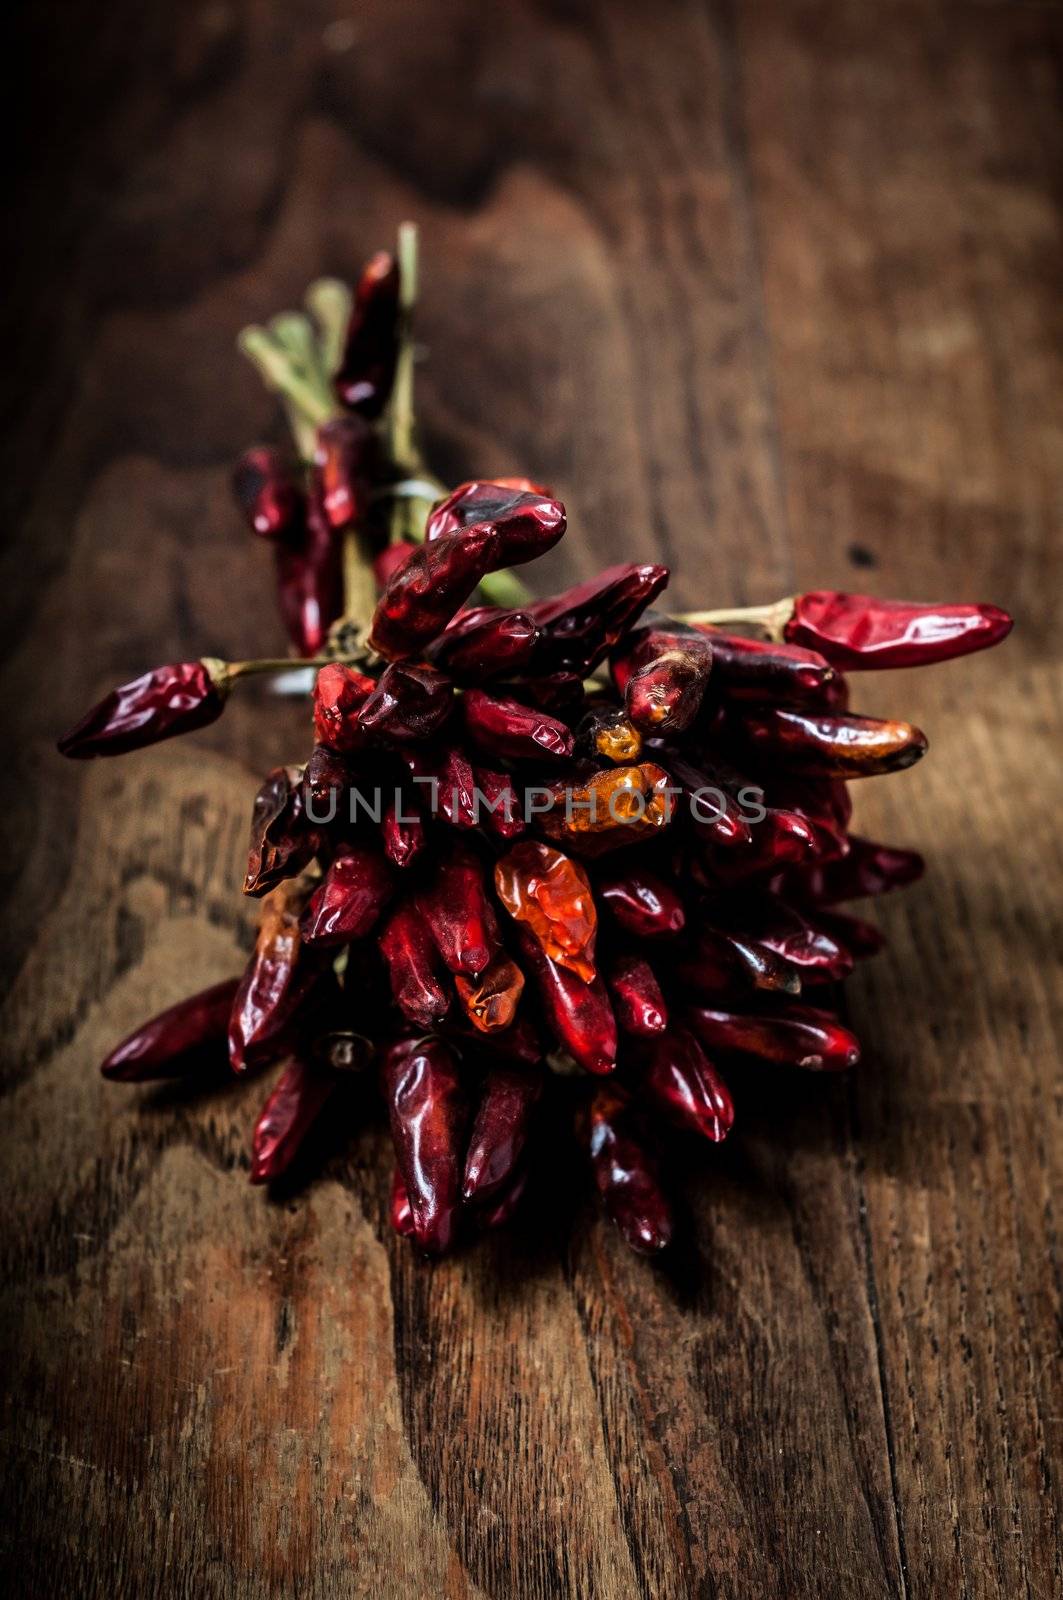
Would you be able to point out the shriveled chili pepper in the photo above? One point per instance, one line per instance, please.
(445, 780)
(404, 830)
(511, 730)
(683, 1081)
(721, 963)
(410, 953)
(607, 732)
(490, 1001)
(327, 780)
(711, 799)
(582, 625)
(339, 694)
(367, 367)
(616, 806)
(642, 903)
(867, 869)
(275, 985)
(833, 746)
(859, 938)
(796, 938)
(551, 895)
(428, 1112)
(343, 453)
(578, 1013)
(662, 674)
(500, 1130)
(458, 913)
(626, 1177)
(521, 1042)
(559, 693)
(857, 631)
(761, 669)
(158, 705)
(387, 562)
(528, 520)
(347, 904)
(409, 703)
(185, 1039)
(638, 1002)
(427, 589)
(499, 804)
(265, 487)
(310, 581)
(485, 642)
(298, 1099)
(799, 1036)
(283, 839)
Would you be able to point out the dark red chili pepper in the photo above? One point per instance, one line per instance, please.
(500, 810)
(626, 1177)
(269, 497)
(642, 904)
(560, 693)
(683, 1081)
(721, 963)
(512, 731)
(662, 674)
(833, 746)
(868, 869)
(347, 904)
(445, 780)
(327, 781)
(857, 631)
(500, 1130)
(520, 1043)
(528, 520)
(490, 1001)
(637, 999)
(388, 561)
(428, 1113)
(708, 802)
(283, 840)
(458, 914)
(409, 703)
(760, 669)
(339, 695)
(298, 1099)
(506, 1204)
(404, 830)
(410, 953)
(182, 1040)
(859, 938)
(485, 642)
(583, 624)
(274, 987)
(367, 368)
(423, 595)
(158, 705)
(400, 1211)
(800, 1036)
(343, 453)
(310, 581)
(578, 1012)
(794, 937)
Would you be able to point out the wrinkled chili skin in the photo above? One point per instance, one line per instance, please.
(642, 903)
(513, 731)
(348, 903)
(626, 1178)
(427, 589)
(638, 1002)
(160, 704)
(833, 746)
(428, 1112)
(267, 493)
(367, 368)
(490, 1001)
(327, 781)
(799, 1036)
(867, 869)
(793, 936)
(409, 703)
(615, 807)
(413, 968)
(528, 520)
(275, 986)
(581, 626)
(404, 832)
(725, 964)
(578, 1012)
(186, 1038)
(485, 642)
(759, 669)
(339, 694)
(707, 800)
(299, 1097)
(283, 840)
(458, 914)
(662, 674)
(310, 581)
(500, 809)
(858, 632)
(679, 1076)
(343, 458)
(551, 895)
(500, 1130)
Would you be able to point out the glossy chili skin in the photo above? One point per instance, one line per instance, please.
(413, 967)
(626, 1177)
(662, 674)
(490, 1001)
(528, 521)
(283, 839)
(513, 731)
(339, 694)
(348, 903)
(400, 1212)
(638, 1003)
(578, 1012)
(550, 894)
(267, 493)
(458, 914)
(710, 801)
(615, 807)
(607, 734)
(500, 808)
(403, 831)
(186, 1038)
(500, 1130)
(485, 642)
(367, 367)
(799, 1036)
(795, 937)
(310, 581)
(343, 456)
(298, 1099)
(158, 705)
(683, 1082)
(868, 869)
(760, 669)
(409, 703)
(581, 626)
(721, 963)
(275, 986)
(428, 1111)
(427, 589)
(857, 632)
(642, 904)
(833, 746)
(327, 780)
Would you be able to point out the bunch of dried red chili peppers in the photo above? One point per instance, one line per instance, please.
(532, 837)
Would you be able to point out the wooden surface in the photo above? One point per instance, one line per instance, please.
(771, 291)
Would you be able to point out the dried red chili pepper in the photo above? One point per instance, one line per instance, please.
(410, 954)
(616, 806)
(310, 581)
(626, 1177)
(490, 1001)
(800, 1036)
(683, 1081)
(458, 914)
(409, 703)
(867, 869)
(506, 1204)
(298, 1099)
(485, 642)
(387, 562)
(265, 487)
(513, 731)
(607, 733)
(427, 589)
(761, 669)
(275, 985)
(642, 903)
(833, 746)
(712, 800)
(528, 520)
(339, 694)
(400, 1211)
(327, 781)
(499, 804)
(802, 941)
(343, 452)
(551, 895)
(662, 674)
(500, 1130)
(404, 831)
(367, 367)
(857, 631)
(859, 938)
(559, 693)
(582, 625)
(428, 1112)
(638, 1002)
(158, 705)
(579, 1013)
(182, 1040)
(283, 840)
(722, 963)
(520, 1043)
(348, 903)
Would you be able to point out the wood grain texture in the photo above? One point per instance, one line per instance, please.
(768, 289)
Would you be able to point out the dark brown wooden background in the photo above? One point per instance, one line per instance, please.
(769, 290)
